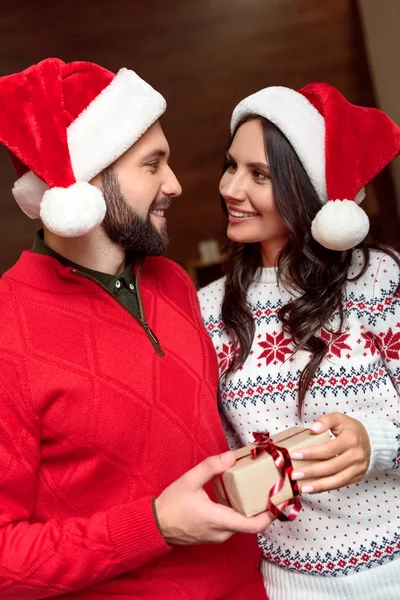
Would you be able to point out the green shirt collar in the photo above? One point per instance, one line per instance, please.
(105, 279)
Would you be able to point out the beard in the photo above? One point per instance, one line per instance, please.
(125, 227)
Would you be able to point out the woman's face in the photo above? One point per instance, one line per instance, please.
(247, 190)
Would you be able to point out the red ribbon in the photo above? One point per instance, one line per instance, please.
(283, 462)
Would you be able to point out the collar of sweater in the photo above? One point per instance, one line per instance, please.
(105, 279)
(46, 273)
(268, 275)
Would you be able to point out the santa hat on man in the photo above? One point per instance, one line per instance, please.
(341, 146)
(63, 124)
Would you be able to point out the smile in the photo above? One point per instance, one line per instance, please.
(158, 213)
(242, 215)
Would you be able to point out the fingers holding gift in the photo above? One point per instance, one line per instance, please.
(344, 469)
(322, 469)
(323, 452)
(235, 522)
(350, 435)
(344, 460)
(225, 522)
(333, 482)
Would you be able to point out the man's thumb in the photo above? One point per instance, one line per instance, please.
(211, 466)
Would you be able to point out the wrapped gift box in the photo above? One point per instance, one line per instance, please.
(246, 486)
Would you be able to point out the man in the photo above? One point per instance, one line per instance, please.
(108, 421)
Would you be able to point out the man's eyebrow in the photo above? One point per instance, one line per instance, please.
(158, 153)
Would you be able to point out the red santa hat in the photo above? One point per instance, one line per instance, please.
(341, 146)
(63, 124)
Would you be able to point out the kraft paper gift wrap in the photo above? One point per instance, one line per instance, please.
(246, 486)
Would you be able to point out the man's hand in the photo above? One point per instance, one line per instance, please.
(187, 515)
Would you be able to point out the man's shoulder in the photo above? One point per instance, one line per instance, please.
(162, 270)
(167, 277)
(162, 262)
(9, 282)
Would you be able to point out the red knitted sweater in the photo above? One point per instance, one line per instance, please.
(93, 424)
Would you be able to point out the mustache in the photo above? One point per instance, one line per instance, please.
(161, 203)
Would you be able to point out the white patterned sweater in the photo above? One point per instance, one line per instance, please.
(345, 531)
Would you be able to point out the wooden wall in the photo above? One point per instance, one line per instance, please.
(204, 56)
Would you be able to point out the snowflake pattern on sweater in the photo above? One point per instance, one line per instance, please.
(356, 527)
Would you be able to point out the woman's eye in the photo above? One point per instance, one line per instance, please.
(258, 176)
(230, 166)
(153, 165)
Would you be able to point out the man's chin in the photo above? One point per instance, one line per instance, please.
(156, 244)
(159, 225)
(146, 238)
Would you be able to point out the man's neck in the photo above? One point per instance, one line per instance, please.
(93, 251)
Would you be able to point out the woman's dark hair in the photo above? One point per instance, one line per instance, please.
(316, 273)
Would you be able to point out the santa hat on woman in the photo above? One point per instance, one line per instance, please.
(63, 124)
(341, 146)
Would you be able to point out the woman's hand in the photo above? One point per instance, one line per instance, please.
(345, 459)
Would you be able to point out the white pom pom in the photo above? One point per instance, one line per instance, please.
(73, 211)
(340, 225)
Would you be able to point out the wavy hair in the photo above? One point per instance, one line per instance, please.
(317, 274)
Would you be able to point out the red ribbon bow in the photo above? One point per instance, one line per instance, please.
(283, 462)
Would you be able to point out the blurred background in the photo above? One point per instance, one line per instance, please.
(204, 56)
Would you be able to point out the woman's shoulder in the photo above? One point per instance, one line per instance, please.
(211, 296)
(381, 272)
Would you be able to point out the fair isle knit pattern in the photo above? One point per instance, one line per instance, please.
(355, 528)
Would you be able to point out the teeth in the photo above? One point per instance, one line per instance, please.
(159, 213)
(241, 215)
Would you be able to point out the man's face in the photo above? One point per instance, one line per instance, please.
(138, 189)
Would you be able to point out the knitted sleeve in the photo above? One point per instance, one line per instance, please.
(45, 559)
(381, 320)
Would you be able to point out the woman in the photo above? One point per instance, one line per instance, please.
(306, 326)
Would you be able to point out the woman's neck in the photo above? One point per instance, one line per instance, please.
(270, 250)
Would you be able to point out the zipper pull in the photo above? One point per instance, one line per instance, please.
(153, 338)
(151, 334)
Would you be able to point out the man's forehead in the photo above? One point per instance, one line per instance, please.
(153, 142)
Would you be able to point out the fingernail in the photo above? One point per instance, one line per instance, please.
(297, 455)
(307, 489)
(317, 426)
(298, 475)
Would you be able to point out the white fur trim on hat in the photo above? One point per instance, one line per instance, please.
(106, 129)
(298, 120)
(340, 225)
(112, 123)
(73, 211)
(28, 192)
